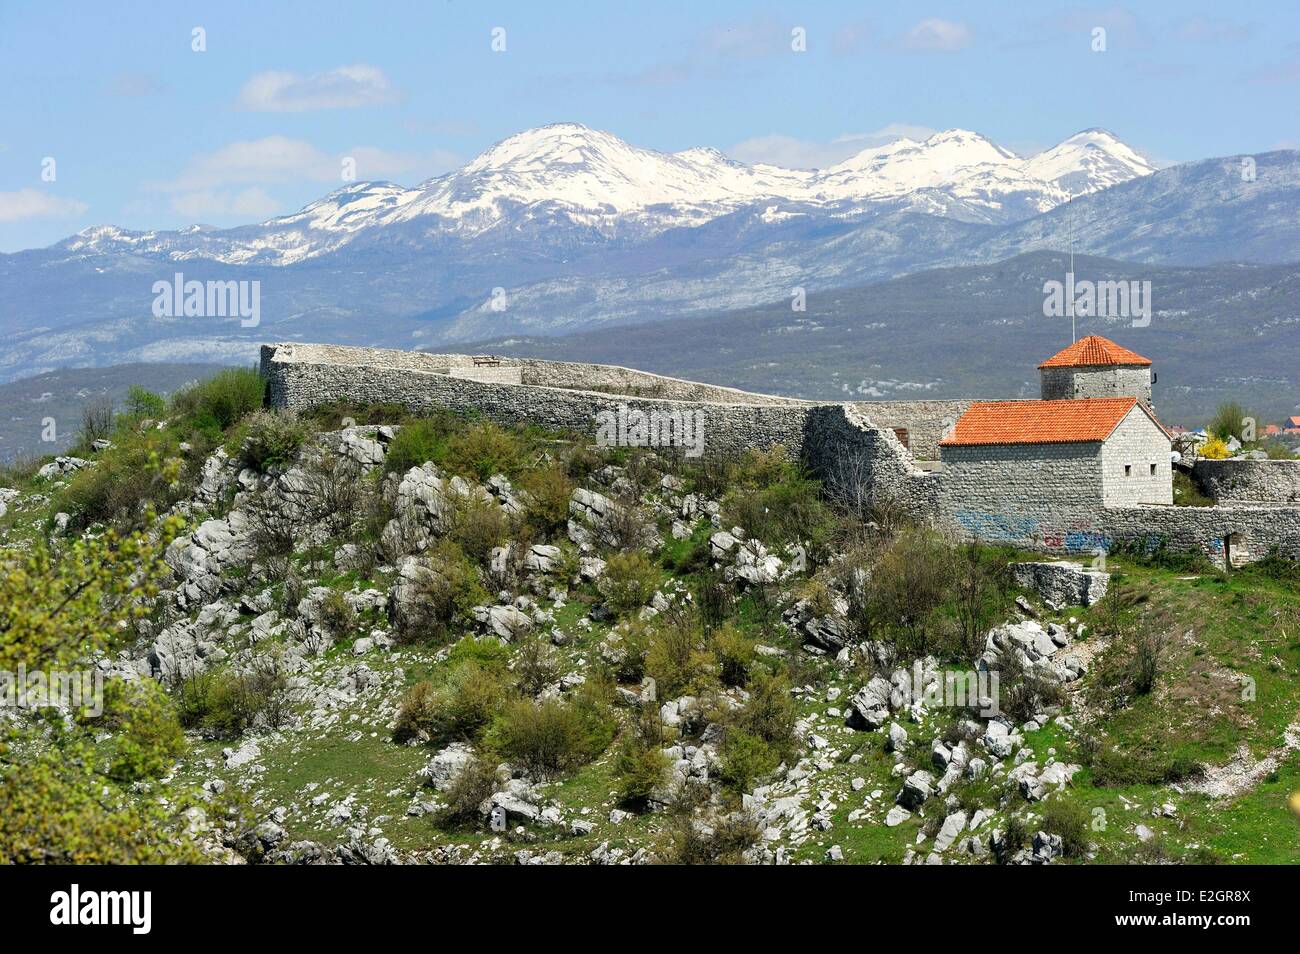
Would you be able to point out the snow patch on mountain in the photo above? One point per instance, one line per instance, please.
(566, 174)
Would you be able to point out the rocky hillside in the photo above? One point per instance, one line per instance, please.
(363, 637)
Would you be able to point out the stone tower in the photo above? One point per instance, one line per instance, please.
(1095, 367)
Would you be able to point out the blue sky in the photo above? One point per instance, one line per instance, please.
(145, 132)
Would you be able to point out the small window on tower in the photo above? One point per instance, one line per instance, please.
(1153, 470)
(1128, 470)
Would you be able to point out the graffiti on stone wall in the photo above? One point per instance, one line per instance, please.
(997, 527)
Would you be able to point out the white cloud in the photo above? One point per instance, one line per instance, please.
(230, 181)
(345, 87)
(275, 159)
(35, 204)
(252, 203)
(944, 36)
(792, 153)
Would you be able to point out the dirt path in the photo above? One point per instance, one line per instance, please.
(1242, 773)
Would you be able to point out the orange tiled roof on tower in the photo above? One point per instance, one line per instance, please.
(1039, 422)
(1094, 350)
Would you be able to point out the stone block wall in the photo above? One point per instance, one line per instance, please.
(1139, 445)
(1249, 481)
(1038, 496)
(1045, 497)
(1083, 382)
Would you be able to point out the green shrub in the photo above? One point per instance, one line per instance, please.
(722, 841)
(734, 652)
(124, 483)
(416, 444)
(759, 736)
(457, 707)
(630, 579)
(536, 665)
(478, 525)
(776, 502)
(551, 736)
(548, 490)
(273, 440)
(336, 613)
(640, 769)
(745, 759)
(1142, 764)
(216, 404)
(226, 705)
(676, 657)
(445, 597)
(472, 785)
(1069, 820)
(142, 403)
(483, 450)
(1015, 837)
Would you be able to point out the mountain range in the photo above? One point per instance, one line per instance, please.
(563, 229)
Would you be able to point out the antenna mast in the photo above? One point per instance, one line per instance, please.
(1069, 202)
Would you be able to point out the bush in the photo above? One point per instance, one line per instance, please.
(761, 735)
(734, 652)
(1228, 422)
(142, 403)
(456, 708)
(1015, 837)
(472, 785)
(1022, 692)
(483, 450)
(630, 579)
(477, 526)
(775, 501)
(675, 655)
(445, 595)
(1214, 449)
(536, 666)
(548, 491)
(745, 759)
(96, 421)
(124, 483)
(274, 439)
(1143, 764)
(550, 736)
(723, 842)
(226, 705)
(336, 613)
(414, 445)
(640, 766)
(911, 581)
(1070, 821)
(214, 405)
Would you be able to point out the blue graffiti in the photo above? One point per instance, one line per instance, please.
(996, 527)
(1086, 541)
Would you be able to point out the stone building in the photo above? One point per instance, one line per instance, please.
(1053, 463)
(1095, 367)
(1074, 473)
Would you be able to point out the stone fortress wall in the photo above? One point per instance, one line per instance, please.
(838, 441)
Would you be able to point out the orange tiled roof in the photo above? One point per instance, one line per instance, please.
(1039, 422)
(1094, 350)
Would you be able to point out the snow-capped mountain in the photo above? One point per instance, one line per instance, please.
(568, 175)
(579, 230)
